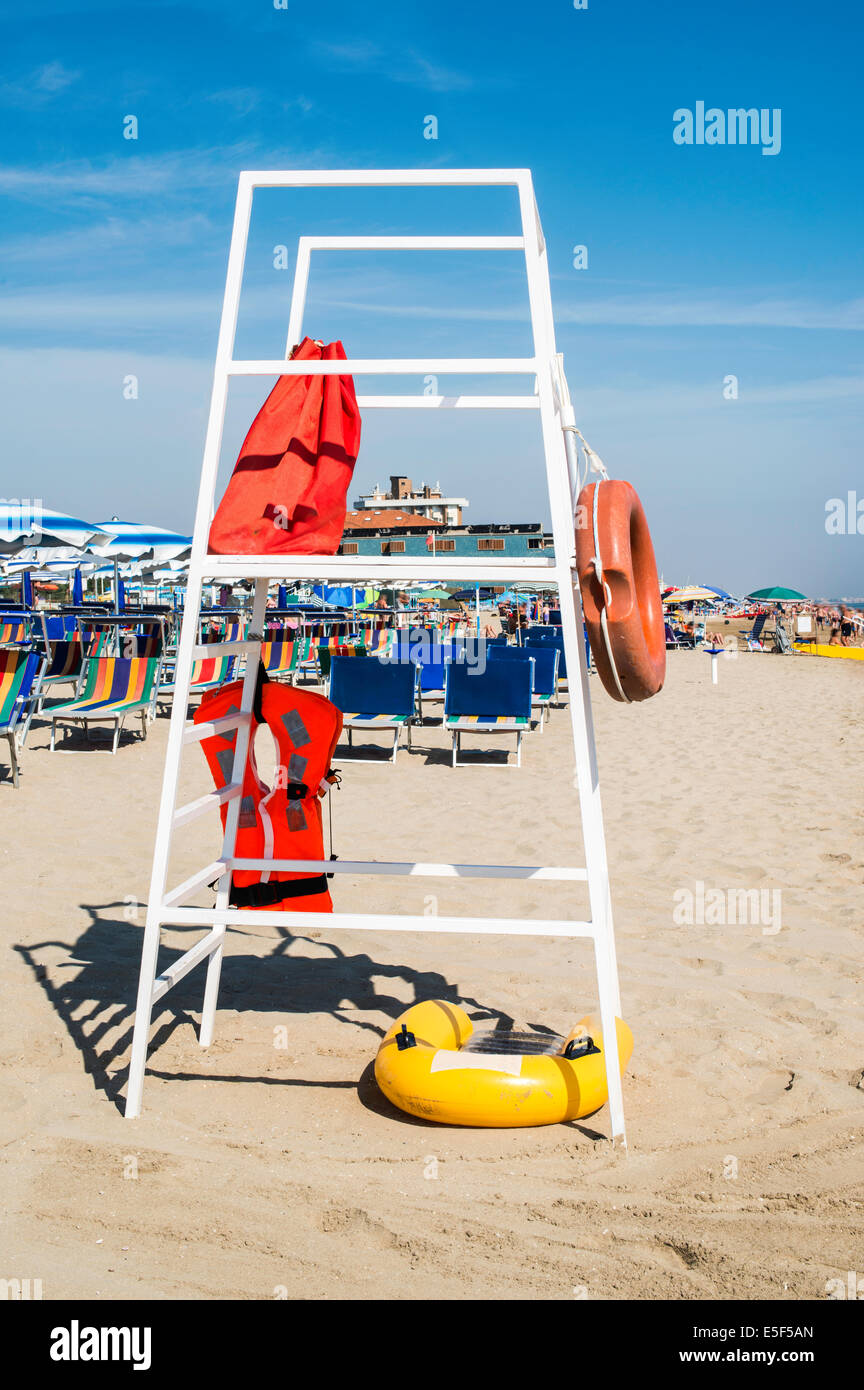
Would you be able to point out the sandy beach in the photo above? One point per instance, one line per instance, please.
(270, 1166)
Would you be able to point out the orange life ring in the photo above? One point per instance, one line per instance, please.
(620, 591)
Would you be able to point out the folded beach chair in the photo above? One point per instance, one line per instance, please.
(20, 677)
(782, 643)
(114, 687)
(373, 694)
(544, 658)
(494, 701)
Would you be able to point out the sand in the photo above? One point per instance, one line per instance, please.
(261, 1170)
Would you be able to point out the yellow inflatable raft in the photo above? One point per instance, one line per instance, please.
(424, 1067)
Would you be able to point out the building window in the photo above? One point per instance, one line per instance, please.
(490, 543)
(536, 543)
(444, 545)
(392, 547)
(349, 548)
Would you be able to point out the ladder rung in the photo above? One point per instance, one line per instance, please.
(193, 809)
(213, 649)
(185, 963)
(384, 366)
(194, 733)
(191, 885)
(369, 922)
(408, 870)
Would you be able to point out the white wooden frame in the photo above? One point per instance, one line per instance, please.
(550, 398)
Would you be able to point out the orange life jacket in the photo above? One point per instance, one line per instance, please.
(284, 822)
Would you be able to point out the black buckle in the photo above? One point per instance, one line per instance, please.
(404, 1039)
(580, 1047)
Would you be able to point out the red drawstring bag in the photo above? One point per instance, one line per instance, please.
(288, 492)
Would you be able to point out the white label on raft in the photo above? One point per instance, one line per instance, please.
(477, 1061)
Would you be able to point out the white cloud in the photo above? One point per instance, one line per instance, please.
(405, 66)
(39, 86)
(715, 310)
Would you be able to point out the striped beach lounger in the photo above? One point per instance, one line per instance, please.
(115, 687)
(496, 700)
(12, 632)
(207, 674)
(280, 657)
(20, 676)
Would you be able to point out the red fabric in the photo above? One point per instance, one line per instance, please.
(288, 492)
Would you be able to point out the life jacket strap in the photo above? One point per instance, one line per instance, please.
(266, 894)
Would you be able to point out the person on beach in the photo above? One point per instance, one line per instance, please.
(834, 639)
(845, 628)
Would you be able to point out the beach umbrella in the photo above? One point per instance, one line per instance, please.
(26, 589)
(721, 593)
(778, 595)
(282, 598)
(133, 540)
(692, 594)
(77, 587)
(28, 525)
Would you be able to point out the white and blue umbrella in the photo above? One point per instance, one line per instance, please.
(132, 540)
(27, 525)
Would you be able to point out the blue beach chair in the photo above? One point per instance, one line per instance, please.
(544, 658)
(494, 701)
(374, 694)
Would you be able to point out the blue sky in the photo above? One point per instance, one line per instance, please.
(703, 261)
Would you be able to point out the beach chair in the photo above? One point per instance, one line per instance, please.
(544, 658)
(13, 631)
(782, 642)
(348, 647)
(207, 674)
(65, 664)
(753, 637)
(21, 674)
(494, 701)
(674, 639)
(115, 686)
(555, 638)
(279, 657)
(374, 694)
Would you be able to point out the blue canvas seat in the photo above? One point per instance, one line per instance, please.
(374, 694)
(495, 700)
(544, 660)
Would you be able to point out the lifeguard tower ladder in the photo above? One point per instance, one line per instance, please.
(551, 401)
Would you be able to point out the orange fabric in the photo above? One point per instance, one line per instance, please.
(289, 487)
(273, 825)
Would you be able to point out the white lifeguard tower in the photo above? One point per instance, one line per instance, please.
(550, 400)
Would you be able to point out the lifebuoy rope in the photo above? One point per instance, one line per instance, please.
(606, 593)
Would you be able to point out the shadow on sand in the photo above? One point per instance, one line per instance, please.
(96, 1001)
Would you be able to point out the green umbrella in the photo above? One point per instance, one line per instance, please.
(431, 595)
(778, 595)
